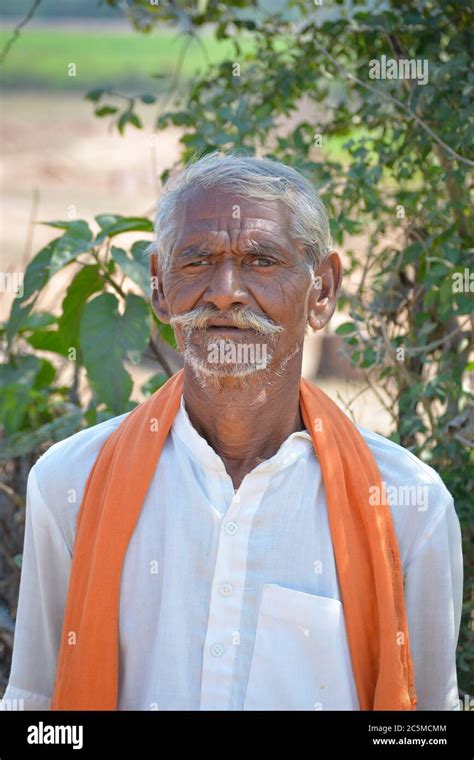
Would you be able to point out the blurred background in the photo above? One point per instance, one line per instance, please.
(58, 156)
(100, 101)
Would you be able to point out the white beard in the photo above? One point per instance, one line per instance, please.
(210, 375)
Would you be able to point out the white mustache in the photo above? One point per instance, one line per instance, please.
(200, 317)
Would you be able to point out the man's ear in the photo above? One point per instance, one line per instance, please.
(158, 300)
(324, 292)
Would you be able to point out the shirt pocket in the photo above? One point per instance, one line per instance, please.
(300, 659)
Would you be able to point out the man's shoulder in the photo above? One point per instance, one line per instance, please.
(417, 495)
(90, 438)
(67, 463)
(400, 463)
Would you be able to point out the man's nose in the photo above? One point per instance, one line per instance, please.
(226, 288)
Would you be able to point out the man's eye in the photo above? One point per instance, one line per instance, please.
(263, 261)
(197, 263)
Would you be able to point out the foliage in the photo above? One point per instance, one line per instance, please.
(101, 327)
(400, 197)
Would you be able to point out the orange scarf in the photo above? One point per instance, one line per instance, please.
(364, 540)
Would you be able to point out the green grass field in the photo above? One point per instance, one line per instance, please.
(40, 58)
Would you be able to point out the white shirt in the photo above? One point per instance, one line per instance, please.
(230, 600)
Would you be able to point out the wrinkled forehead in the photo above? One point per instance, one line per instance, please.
(212, 210)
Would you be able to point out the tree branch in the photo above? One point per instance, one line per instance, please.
(16, 31)
(347, 75)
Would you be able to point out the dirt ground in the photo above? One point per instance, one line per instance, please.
(59, 159)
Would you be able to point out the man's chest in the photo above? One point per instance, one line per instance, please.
(234, 597)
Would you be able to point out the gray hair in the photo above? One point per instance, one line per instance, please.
(246, 176)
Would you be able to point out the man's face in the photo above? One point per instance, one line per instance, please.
(234, 256)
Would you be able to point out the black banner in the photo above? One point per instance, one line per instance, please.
(387, 734)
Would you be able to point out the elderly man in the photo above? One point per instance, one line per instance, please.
(235, 542)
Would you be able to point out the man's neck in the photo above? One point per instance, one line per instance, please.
(245, 424)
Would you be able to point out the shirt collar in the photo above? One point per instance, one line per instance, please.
(296, 445)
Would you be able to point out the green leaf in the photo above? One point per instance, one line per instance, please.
(107, 339)
(370, 357)
(132, 268)
(66, 336)
(135, 327)
(107, 220)
(95, 95)
(153, 383)
(45, 376)
(347, 328)
(76, 239)
(135, 120)
(164, 176)
(337, 230)
(76, 226)
(128, 117)
(16, 381)
(38, 320)
(23, 442)
(124, 224)
(47, 340)
(446, 290)
(102, 353)
(21, 370)
(105, 111)
(86, 282)
(122, 122)
(36, 277)
(140, 253)
(167, 334)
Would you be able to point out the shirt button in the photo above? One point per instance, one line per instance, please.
(217, 650)
(231, 528)
(226, 589)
